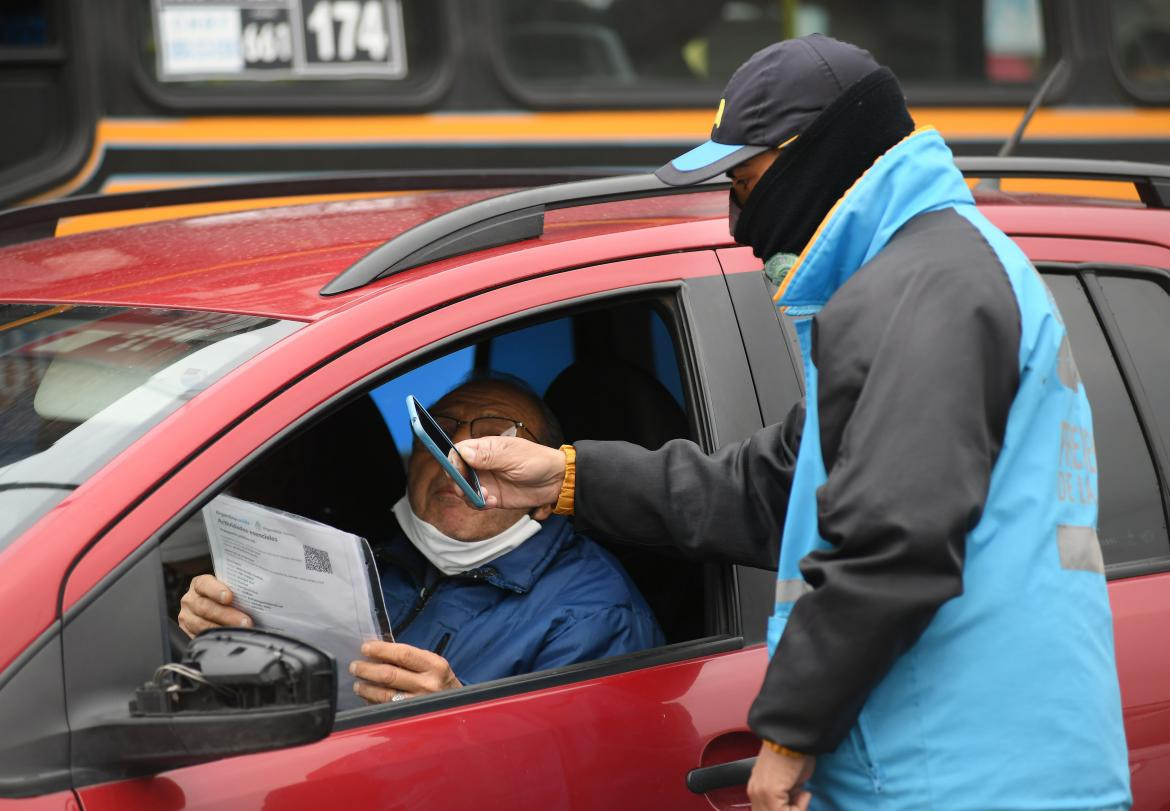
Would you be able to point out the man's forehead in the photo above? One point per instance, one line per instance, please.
(483, 397)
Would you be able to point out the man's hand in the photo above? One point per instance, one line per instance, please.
(207, 604)
(513, 472)
(402, 670)
(777, 781)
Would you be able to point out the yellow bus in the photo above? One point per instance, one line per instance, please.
(121, 95)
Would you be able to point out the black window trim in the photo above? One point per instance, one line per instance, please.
(413, 98)
(668, 294)
(1086, 273)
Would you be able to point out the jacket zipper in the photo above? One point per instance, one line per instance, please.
(424, 596)
(426, 592)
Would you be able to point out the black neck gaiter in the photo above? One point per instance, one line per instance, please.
(810, 175)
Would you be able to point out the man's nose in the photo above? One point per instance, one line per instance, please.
(462, 432)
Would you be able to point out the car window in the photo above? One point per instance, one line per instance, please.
(599, 46)
(79, 384)
(1131, 523)
(1142, 310)
(608, 372)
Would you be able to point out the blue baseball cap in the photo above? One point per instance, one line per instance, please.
(769, 100)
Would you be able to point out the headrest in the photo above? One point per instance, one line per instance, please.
(612, 399)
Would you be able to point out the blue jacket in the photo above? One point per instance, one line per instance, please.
(556, 599)
(999, 689)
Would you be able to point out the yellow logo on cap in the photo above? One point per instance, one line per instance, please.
(719, 112)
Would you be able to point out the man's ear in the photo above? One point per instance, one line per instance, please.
(541, 513)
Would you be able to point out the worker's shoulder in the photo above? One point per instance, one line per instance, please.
(938, 254)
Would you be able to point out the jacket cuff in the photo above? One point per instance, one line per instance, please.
(565, 502)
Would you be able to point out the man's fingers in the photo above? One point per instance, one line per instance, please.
(211, 588)
(192, 624)
(393, 678)
(404, 667)
(475, 452)
(404, 656)
(388, 676)
(494, 452)
(373, 693)
(204, 612)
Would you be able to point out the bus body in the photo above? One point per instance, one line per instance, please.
(120, 95)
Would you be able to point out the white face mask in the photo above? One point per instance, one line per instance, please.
(452, 556)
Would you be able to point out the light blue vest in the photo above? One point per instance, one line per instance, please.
(1009, 700)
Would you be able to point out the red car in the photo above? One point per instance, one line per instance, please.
(146, 369)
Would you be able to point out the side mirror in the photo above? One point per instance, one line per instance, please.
(236, 691)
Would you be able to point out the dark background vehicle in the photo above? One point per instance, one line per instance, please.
(120, 95)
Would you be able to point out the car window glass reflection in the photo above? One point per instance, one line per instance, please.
(1130, 522)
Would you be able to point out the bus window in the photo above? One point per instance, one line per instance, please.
(26, 24)
(296, 49)
(689, 45)
(1141, 45)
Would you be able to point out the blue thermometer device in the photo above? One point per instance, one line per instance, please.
(439, 444)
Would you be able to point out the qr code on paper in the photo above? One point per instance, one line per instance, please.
(317, 560)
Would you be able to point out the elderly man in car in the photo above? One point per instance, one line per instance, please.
(475, 595)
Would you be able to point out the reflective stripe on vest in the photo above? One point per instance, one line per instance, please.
(1079, 549)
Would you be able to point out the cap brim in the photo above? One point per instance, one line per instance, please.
(705, 161)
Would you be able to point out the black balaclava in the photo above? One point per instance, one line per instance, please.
(797, 191)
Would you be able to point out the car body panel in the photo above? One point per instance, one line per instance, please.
(1142, 641)
(57, 801)
(1113, 224)
(274, 262)
(537, 750)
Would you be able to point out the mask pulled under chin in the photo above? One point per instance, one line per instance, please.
(452, 556)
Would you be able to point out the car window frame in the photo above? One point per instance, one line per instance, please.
(778, 386)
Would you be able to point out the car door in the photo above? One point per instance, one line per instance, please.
(618, 733)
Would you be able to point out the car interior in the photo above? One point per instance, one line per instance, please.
(609, 372)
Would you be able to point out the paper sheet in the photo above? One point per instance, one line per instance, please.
(299, 577)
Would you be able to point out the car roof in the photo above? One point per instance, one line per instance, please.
(274, 261)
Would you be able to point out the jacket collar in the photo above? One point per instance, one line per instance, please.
(915, 176)
(515, 571)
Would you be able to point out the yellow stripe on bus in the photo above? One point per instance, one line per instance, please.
(603, 128)
(613, 127)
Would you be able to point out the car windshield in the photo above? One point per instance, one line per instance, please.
(79, 384)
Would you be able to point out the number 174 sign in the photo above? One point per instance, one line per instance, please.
(279, 39)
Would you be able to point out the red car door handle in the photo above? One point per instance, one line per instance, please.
(721, 775)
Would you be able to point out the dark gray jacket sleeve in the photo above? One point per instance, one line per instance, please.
(918, 366)
(729, 505)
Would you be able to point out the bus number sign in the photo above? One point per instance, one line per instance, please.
(279, 39)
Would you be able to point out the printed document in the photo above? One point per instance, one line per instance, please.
(299, 577)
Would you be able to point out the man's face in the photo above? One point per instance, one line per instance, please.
(433, 496)
(744, 176)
